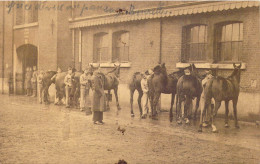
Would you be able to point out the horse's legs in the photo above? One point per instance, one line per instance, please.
(151, 95)
(217, 105)
(187, 109)
(140, 95)
(131, 101)
(197, 106)
(117, 103)
(235, 111)
(202, 114)
(155, 102)
(178, 109)
(172, 102)
(107, 101)
(226, 113)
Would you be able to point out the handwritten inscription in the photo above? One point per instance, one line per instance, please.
(131, 10)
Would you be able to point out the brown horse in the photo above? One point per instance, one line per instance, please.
(112, 82)
(188, 88)
(46, 82)
(161, 82)
(222, 89)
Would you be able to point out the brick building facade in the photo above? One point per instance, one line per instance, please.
(138, 35)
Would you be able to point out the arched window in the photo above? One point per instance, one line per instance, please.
(120, 51)
(101, 43)
(194, 43)
(229, 41)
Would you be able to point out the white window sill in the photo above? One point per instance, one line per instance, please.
(210, 65)
(34, 24)
(109, 65)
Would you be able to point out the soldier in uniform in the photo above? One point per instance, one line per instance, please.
(28, 76)
(84, 91)
(40, 86)
(68, 86)
(98, 104)
(57, 101)
(34, 82)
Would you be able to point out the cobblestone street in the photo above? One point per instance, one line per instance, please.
(35, 133)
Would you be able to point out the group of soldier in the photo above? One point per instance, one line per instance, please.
(34, 82)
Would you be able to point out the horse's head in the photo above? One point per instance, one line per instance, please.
(157, 69)
(237, 71)
(117, 70)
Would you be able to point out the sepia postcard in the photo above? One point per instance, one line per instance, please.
(129, 82)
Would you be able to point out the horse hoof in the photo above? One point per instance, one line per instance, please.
(200, 130)
(205, 124)
(132, 115)
(226, 126)
(179, 122)
(237, 126)
(187, 121)
(215, 131)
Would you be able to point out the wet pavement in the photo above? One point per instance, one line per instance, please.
(38, 133)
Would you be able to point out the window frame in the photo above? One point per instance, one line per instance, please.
(218, 56)
(186, 43)
(118, 58)
(98, 58)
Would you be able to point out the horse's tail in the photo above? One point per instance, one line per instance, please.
(208, 94)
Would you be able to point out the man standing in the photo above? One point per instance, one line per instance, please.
(40, 86)
(84, 91)
(34, 82)
(53, 79)
(28, 76)
(98, 103)
(144, 86)
(68, 86)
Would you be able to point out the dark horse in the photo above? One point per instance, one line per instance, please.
(161, 82)
(112, 82)
(188, 88)
(46, 82)
(135, 84)
(222, 89)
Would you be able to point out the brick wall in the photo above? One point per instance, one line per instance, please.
(145, 42)
(171, 41)
(48, 38)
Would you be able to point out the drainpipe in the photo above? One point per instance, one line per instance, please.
(3, 58)
(160, 49)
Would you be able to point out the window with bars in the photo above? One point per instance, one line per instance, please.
(194, 43)
(120, 52)
(229, 41)
(101, 43)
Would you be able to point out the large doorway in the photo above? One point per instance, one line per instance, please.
(27, 57)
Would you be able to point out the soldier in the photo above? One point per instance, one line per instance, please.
(84, 91)
(68, 86)
(40, 86)
(28, 76)
(57, 101)
(34, 82)
(144, 86)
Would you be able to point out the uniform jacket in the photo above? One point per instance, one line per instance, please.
(68, 80)
(98, 104)
(84, 80)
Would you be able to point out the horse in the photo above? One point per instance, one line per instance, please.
(188, 88)
(222, 89)
(46, 82)
(135, 84)
(161, 82)
(111, 82)
(75, 92)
